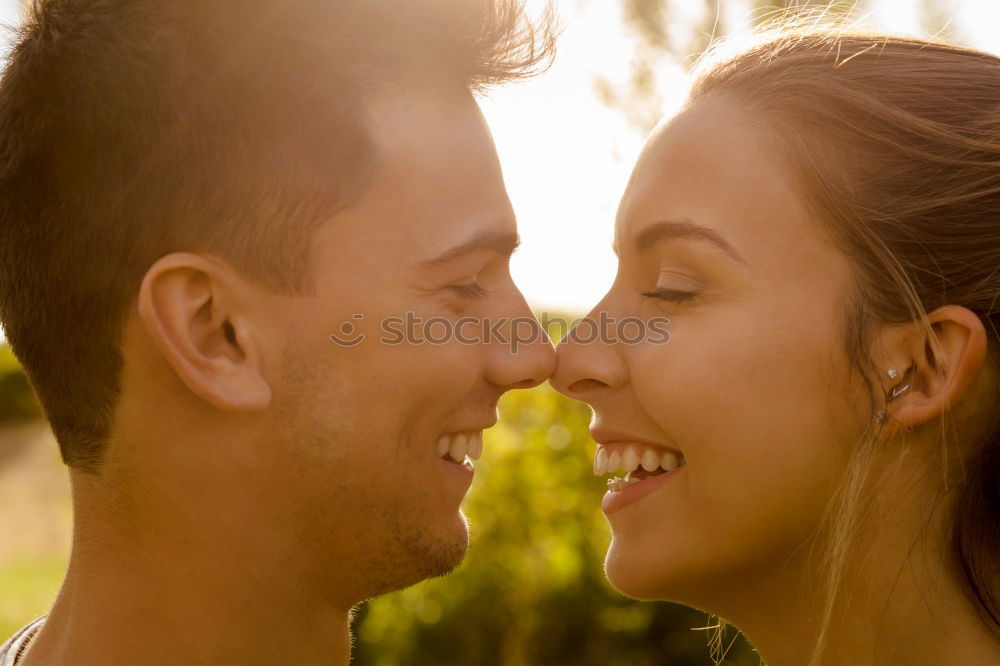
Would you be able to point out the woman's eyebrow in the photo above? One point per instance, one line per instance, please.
(664, 229)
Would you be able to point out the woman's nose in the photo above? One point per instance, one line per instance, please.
(587, 361)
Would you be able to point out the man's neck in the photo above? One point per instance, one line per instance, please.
(201, 598)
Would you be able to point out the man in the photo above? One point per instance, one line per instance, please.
(215, 215)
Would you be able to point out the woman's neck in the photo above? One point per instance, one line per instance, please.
(909, 620)
(900, 602)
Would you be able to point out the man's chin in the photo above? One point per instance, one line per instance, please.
(422, 554)
(441, 554)
(446, 561)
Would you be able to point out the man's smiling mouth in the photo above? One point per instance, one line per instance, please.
(456, 446)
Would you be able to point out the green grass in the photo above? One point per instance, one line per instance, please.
(27, 589)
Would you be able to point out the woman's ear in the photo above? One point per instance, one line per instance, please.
(938, 369)
(188, 305)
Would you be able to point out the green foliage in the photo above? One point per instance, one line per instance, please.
(17, 399)
(8, 362)
(531, 590)
(27, 589)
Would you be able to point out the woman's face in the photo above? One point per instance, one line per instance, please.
(750, 392)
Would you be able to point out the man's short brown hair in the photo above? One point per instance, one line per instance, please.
(130, 129)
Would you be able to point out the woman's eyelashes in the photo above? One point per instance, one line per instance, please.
(671, 295)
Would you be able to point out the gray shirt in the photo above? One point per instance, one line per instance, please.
(18, 643)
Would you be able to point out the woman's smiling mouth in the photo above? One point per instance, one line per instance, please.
(646, 467)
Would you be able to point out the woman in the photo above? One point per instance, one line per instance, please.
(814, 454)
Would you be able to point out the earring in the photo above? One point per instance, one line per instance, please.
(881, 416)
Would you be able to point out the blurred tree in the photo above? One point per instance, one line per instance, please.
(663, 36)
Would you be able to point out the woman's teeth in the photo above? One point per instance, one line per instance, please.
(457, 445)
(630, 458)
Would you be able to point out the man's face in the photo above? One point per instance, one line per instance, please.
(363, 484)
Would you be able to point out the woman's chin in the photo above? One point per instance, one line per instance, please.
(644, 579)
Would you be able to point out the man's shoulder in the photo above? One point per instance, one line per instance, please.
(12, 649)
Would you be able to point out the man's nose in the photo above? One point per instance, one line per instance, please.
(522, 355)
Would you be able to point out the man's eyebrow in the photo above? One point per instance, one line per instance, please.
(502, 242)
(665, 229)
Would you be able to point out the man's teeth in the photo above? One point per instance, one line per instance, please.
(632, 457)
(458, 445)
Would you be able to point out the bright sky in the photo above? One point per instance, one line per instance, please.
(566, 157)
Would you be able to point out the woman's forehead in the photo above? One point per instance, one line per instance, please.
(713, 166)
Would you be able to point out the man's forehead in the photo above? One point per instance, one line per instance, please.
(437, 184)
(434, 145)
(401, 114)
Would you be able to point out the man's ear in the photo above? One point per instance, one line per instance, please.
(938, 369)
(188, 304)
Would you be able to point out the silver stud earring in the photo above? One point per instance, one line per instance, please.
(881, 416)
